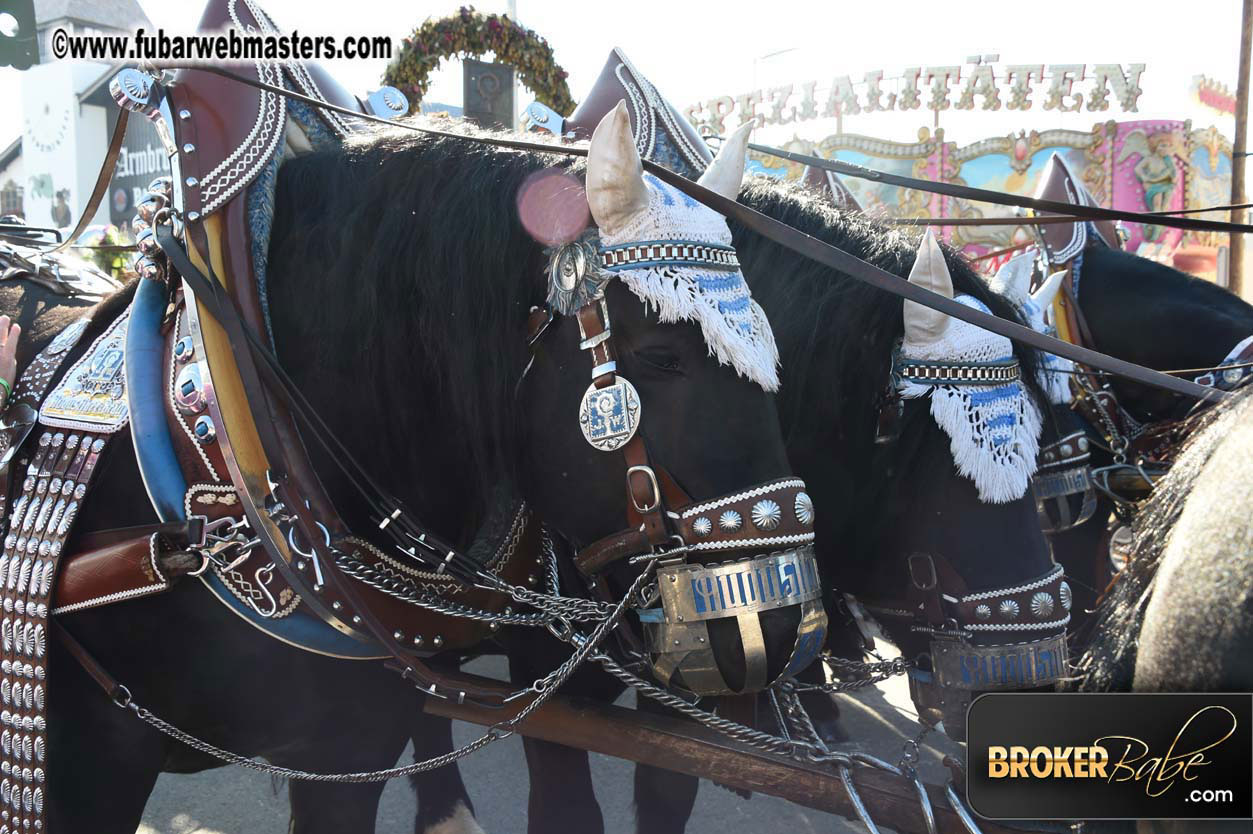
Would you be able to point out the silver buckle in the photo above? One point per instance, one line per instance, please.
(652, 479)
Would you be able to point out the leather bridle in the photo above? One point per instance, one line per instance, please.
(937, 602)
(663, 520)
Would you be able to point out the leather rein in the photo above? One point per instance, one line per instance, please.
(815, 249)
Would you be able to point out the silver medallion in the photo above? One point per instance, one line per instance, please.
(1041, 604)
(804, 508)
(609, 416)
(766, 514)
(730, 521)
(1063, 591)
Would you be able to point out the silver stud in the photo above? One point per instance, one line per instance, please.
(983, 611)
(193, 216)
(337, 605)
(702, 526)
(192, 182)
(730, 521)
(204, 430)
(1083, 444)
(438, 641)
(398, 635)
(1009, 609)
(417, 640)
(356, 619)
(189, 148)
(804, 507)
(1065, 595)
(1067, 450)
(766, 514)
(184, 114)
(1041, 604)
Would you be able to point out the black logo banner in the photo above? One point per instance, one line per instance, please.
(1067, 756)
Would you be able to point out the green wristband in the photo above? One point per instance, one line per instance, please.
(8, 389)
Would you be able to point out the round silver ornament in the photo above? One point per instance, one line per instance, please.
(804, 507)
(1041, 604)
(983, 611)
(766, 514)
(730, 521)
(610, 416)
(1065, 595)
(702, 526)
(1009, 609)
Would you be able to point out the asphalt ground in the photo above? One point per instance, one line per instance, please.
(231, 800)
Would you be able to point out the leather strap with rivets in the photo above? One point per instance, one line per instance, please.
(84, 410)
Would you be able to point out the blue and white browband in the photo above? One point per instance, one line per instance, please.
(669, 253)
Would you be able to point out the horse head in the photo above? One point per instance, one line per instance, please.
(917, 434)
(672, 438)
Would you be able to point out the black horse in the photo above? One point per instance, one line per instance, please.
(401, 278)
(1157, 316)
(877, 502)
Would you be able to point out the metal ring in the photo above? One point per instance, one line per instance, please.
(121, 696)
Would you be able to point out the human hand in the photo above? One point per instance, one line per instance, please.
(10, 334)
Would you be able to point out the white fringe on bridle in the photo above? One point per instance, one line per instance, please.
(734, 326)
(994, 429)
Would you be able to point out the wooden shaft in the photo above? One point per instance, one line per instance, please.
(1239, 147)
(680, 745)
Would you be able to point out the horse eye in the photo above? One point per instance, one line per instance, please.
(660, 359)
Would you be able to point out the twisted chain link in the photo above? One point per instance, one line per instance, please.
(544, 688)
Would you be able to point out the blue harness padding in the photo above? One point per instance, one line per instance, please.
(154, 450)
(163, 477)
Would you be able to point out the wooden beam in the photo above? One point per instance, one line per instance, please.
(1238, 149)
(676, 744)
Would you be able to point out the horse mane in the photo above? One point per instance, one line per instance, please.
(1152, 277)
(1130, 276)
(1109, 663)
(834, 332)
(401, 278)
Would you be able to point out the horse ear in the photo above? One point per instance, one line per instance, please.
(1013, 279)
(1043, 297)
(725, 174)
(615, 176)
(923, 326)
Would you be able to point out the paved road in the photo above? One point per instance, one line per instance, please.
(237, 801)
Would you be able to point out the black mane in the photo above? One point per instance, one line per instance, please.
(401, 279)
(818, 319)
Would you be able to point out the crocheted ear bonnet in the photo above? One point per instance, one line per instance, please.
(1013, 280)
(994, 428)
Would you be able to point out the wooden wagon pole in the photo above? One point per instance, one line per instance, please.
(1235, 267)
(676, 744)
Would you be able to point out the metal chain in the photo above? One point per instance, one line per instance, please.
(544, 688)
(874, 673)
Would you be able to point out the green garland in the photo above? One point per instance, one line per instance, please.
(469, 34)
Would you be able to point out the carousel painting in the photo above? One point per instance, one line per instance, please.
(1142, 166)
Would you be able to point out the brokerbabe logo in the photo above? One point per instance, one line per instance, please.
(1131, 756)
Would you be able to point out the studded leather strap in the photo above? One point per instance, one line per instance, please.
(55, 484)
